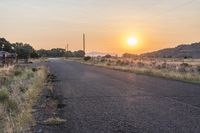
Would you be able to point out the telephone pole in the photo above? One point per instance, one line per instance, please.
(84, 42)
(67, 47)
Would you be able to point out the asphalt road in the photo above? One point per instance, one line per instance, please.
(100, 100)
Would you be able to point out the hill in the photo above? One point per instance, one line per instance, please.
(181, 51)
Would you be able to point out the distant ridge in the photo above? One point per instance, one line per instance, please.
(181, 51)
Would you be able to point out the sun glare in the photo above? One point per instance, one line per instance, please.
(132, 41)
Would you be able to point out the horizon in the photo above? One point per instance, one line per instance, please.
(107, 25)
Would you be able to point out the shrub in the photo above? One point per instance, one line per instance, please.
(122, 63)
(34, 69)
(17, 73)
(108, 64)
(103, 60)
(184, 65)
(4, 95)
(140, 64)
(164, 65)
(198, 69)
(23, 89)
(12, 105)
(108, 56)
(87, 58)
(126, 63)
(118, 62)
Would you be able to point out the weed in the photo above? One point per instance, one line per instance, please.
(54, 121)
(17, 73)
(23, 89)
(12, 105)
(34, 69)
(18, 95)
(4, 96)
(87, 58)
(198, 69)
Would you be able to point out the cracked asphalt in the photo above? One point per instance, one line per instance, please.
(100, 100)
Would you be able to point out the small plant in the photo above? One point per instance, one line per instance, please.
(140, 64)
(103, 60)
(17, 73)
(164, 65)
(54, 121)
(23, 89)
(12, 105)
(198, 69)
(126, 63)
(108, 64)
(87, 58)
(184, 65)
(4, 96)
(118, 62)
(34, 69)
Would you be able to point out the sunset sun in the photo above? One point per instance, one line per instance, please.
(132, 41)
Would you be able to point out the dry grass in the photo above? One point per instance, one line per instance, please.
(18, 93)
(43, 59)
(54, 121)
(177, 69)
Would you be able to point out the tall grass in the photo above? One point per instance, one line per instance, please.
(18, 93)
(172, 69)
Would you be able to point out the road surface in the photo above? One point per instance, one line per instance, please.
(100, 100)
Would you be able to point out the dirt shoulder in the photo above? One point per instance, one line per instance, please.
(49, 109)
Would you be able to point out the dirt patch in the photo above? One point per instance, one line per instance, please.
(49, 109)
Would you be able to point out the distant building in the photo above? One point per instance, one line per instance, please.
(3, 54)
(7, 58)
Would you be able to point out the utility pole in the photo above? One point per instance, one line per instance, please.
(83, 42)
(67, 50)
(67, 47)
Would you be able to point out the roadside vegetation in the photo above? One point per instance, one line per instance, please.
(19, 90)
(171, 68)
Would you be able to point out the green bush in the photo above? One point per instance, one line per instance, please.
(4, 96)
(34, 69)
(87, 58)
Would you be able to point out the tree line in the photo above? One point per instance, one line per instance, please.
(25, 51)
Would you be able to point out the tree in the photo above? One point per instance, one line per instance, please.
(43, 53)
(127, 55)
(6, 45)
(107, 56)
(69, 54)
(24, 51)
(79, 53)
(57, 52)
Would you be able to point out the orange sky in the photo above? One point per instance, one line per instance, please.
(107, 24)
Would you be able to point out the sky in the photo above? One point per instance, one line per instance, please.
(107, 24)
